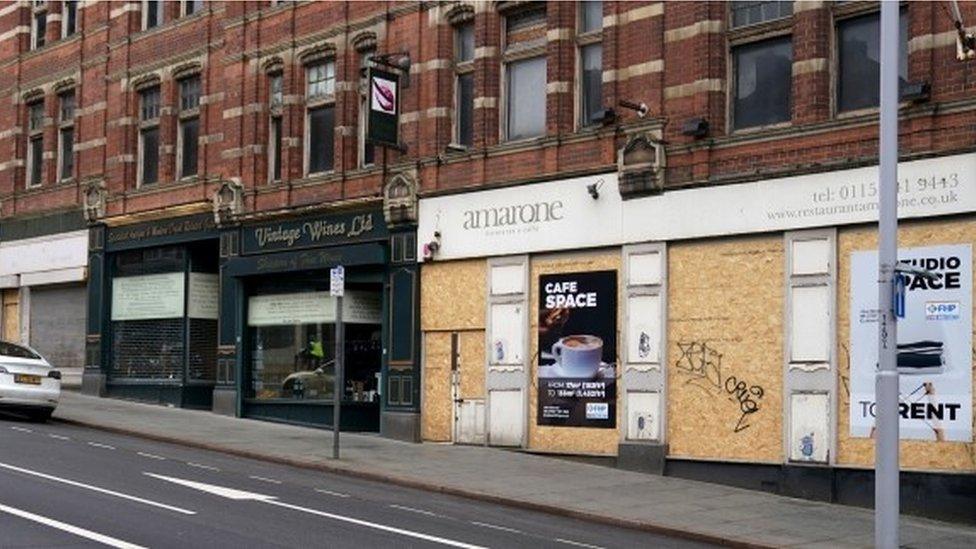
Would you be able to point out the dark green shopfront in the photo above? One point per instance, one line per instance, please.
(238, 318)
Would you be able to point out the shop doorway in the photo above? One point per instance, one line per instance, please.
(469, 413)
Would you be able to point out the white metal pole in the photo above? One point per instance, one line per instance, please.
(337, 379)
(886, 492)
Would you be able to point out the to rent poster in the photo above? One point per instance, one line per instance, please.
(578, 349)
(934, 344)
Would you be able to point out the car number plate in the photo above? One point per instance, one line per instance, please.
(29, 379)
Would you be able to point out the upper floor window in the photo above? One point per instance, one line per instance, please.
(762, 82)
(859, 60)
(148, 168)
(319, 116)
(35, 143)
(525, 73)
(192, 6)
(275, 90)
(590, 60)
(464, 84)
(152, 13)
(66, 135)
(188, 127)
(320, 79)
(38, 24)
(69, 18)
(751, 12)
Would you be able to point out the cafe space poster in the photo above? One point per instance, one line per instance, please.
(578, 349)
(934, 344)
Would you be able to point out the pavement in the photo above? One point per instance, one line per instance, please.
(665, 505)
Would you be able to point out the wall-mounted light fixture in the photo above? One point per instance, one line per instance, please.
(641, 108)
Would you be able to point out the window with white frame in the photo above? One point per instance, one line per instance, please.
(66, 135)
(275, 101)
(859, 60)
(367, 151)
(464, 84)
(152, 13)
(38, 24)
(590, 62)
(319, 116)
(188, 126)
(148, 170)
(525, 73)
(762, 69)
(69, 18)
(35, 143)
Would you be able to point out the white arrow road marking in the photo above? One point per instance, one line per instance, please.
(96, 489)
(81, 532)
(241, 495)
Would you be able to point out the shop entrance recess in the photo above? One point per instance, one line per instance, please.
(469, 413)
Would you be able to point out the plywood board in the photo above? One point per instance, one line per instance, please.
(436, 419)
(571, 440)
(452, 295)
(472, 364)
(915, 454)
(10, 313)
(725, 348)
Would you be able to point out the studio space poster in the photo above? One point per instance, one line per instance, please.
(934, 344)
(578, 349)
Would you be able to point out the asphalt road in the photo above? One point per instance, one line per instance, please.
(67, 486)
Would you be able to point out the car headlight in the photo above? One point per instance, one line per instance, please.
(54, 374)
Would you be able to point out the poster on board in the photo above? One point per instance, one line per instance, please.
(934, 344)
(578, 349)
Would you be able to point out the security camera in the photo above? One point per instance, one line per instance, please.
(431, 248)
(594, 188)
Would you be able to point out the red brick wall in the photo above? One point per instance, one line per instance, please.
(232, 42)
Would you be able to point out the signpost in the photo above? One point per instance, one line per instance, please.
(337, 286)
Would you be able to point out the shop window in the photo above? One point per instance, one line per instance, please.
(859, 60)
(590, 61)
(746, 13)
(66, 135)
(152, 13)
(69, 18)
(524, 73)
(188, 131)
(35, 144)
(319, 117)
(148, 168)
(763, 77)
(38, 24)
(464, 84)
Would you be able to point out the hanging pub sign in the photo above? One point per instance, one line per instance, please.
(383, 121)
(578, 349)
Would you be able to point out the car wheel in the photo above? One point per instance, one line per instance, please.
(40, 416)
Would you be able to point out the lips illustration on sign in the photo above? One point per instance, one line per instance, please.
(384, 95)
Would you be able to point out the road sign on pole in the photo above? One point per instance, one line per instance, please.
(337, 287)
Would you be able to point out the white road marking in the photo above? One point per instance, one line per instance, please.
(241, 495)
(201, 466)
(151, 456)
(331, 493)
(22, 429)
(59, 437)
(97, 445)
(496, 527)
(578, 543)
(96, 489)
(265, 479)
(414, 510)
(80, 532)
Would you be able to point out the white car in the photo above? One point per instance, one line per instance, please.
(28, 384)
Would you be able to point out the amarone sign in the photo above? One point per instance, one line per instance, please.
(562, 214)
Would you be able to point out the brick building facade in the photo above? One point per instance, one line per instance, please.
(195, 127)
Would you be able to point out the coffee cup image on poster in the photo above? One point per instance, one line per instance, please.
(578, 349)
(934, 347)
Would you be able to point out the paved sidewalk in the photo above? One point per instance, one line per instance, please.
(665, 504)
